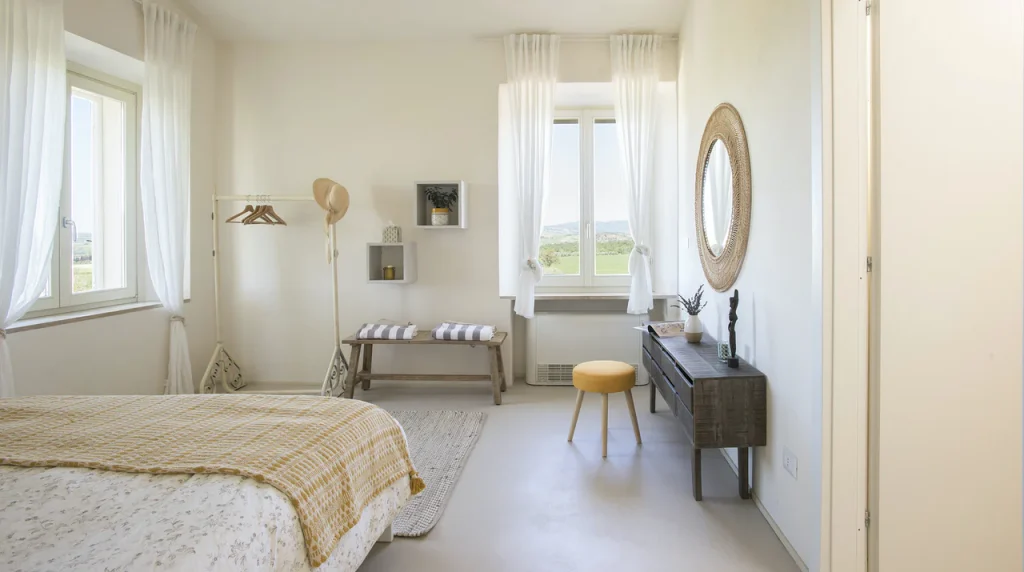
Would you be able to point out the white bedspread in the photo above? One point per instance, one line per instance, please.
(83, 519)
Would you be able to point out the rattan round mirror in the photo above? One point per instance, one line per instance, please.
(722, 197)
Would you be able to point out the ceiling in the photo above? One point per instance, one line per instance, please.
(346, 20)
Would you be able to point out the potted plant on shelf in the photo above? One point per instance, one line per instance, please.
(442, 198)
(693, 330)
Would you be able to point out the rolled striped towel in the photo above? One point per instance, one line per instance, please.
(459, 331)
(387, 332)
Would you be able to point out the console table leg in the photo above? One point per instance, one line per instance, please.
(367, 365)
(653, 391)
(743, 465)
(697, 493)
(353, 367)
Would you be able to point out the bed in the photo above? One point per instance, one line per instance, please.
(66, 514)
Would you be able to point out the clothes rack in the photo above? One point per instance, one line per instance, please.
(223, 372)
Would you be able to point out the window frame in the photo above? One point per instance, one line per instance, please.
(62, 298)
(588, 277)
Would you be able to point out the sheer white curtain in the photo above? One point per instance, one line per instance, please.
(166, 117)
(33, 100)
(531, 62)
(635, 81)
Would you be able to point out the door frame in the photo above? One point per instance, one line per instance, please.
(840, 203)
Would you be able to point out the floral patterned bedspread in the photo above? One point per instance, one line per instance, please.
(86, 519)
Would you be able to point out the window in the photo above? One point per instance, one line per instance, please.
(94, 253)
(585, 237)
(586, 206)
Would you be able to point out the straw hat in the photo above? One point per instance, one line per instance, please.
(331, 197)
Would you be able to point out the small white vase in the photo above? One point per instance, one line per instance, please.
(439, 217)
(693, 330)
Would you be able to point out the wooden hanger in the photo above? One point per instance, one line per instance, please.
(271, 213)
(259, 216)
(248, 209)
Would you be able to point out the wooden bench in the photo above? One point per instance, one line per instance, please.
(365, 374)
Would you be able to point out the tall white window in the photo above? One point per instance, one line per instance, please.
(94, 256)
(585, 239)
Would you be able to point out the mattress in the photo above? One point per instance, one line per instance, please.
(86, 519)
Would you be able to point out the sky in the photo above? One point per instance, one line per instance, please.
(562, 203)
(85, 159)
(81, 163)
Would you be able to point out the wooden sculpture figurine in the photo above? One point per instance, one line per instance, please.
(734, 300)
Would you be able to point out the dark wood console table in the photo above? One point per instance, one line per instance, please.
(718, 406)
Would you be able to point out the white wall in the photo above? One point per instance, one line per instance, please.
(950, 266)
(758, 56)
(128, 353)
(375, 117)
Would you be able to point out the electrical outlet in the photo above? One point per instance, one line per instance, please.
(789, 461)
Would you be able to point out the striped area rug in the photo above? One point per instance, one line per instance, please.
(440, 443)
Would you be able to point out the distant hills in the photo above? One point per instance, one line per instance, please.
(573, 228)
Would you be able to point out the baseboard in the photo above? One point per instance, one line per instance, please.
(767, 516)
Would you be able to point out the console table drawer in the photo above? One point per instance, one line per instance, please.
(670, 397)
(650, 363)
(682, 385)
(657, 354)
(685, 418)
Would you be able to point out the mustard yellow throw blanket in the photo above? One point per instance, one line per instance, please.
(329, 456)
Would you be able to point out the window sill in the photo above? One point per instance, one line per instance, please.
(80, 316)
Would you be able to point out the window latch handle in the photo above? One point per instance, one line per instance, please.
(68, 223)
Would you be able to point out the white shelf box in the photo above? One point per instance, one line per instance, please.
(401, 255)
(457, 216)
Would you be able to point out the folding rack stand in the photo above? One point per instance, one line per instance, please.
(223, 372)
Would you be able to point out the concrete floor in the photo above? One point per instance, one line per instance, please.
(530, 501)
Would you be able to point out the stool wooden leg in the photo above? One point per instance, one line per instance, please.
(632, 415)
(367, 366)
(576, 415)
(604, 424)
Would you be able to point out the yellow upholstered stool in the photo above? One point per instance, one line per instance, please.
(604, 377)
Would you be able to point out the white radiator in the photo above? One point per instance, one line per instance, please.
(556, 342)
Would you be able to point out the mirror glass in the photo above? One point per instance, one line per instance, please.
(716, 207)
